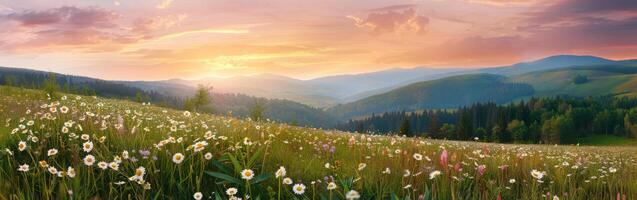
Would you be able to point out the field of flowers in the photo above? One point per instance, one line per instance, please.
(80, 147)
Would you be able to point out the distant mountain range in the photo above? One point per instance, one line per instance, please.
(319, 92)
(323, 101)
(552, 76)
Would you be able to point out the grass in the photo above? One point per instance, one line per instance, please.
(139, 144)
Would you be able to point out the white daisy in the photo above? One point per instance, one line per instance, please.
(247, 174)
(298, 188)
(178, 158)
(89, 160)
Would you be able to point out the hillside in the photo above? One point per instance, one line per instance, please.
(139, 151)
(171, 95)
(268, 86)
(548, 63)
(442, 93)
(596, 80)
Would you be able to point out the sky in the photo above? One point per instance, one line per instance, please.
(192, 39)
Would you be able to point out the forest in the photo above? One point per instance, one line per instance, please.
(557, 120)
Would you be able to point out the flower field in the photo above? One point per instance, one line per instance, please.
(80, 147)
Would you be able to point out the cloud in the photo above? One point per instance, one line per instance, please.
(393, 19)
(66, 16)
(83, 28)
(164, 4)
(146, 25)
(508, 2)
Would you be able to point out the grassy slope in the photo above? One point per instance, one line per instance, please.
(304, 152)
(448, 92)
(603, 79)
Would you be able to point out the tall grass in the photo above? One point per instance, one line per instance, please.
(219, 151)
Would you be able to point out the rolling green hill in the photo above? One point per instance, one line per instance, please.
(597, 80)
(452, 92)
(442, 93)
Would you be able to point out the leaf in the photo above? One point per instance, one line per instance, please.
(224, 177)
(255, 156)
(235, 162)
(217, 197)
(261, 178)
(221, 167)
(394, 196)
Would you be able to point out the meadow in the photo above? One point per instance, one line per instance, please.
(83, 147)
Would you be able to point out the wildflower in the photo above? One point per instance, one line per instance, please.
(22, 146)
(298, 188)
(85, 137)
(208, 156)
(327, 165)
(52, 152)
(444, 158)
(287, 181)
(280, 172)
(387, 171)
(457, 167)
(197, 195)
(125, 154)
(512, 181)
(433, 174)
(178, 158)
(556, 197)
(481, 169)
(89, 160)
(70, 172)
(102, 165)
(24, 168)
(612, 170)
(199, 146)
(64, 109)
(231, 191)
(52, 170)
(538, 175)
(352, 194)
(87, 146)
(361, 166)
(43, 164)
(331, 186)
(114, 166)
(187, 113)
(418, 156)
(139, 174)
(565, 164)
(247, 174)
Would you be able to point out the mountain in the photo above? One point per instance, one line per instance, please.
(552, 62)
(619, 78)
(448, 92)
(170, 94)
(320, 92)
(354, 86)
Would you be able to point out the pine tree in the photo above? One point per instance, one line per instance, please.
(404, 128)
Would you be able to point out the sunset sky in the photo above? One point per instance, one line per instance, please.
(162, 39)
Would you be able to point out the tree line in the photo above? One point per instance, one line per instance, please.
(557, 120)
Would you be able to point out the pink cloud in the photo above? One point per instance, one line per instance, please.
(393, 19)
(84, 28)
(66, 16)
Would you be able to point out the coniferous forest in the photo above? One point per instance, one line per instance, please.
(559, 120)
